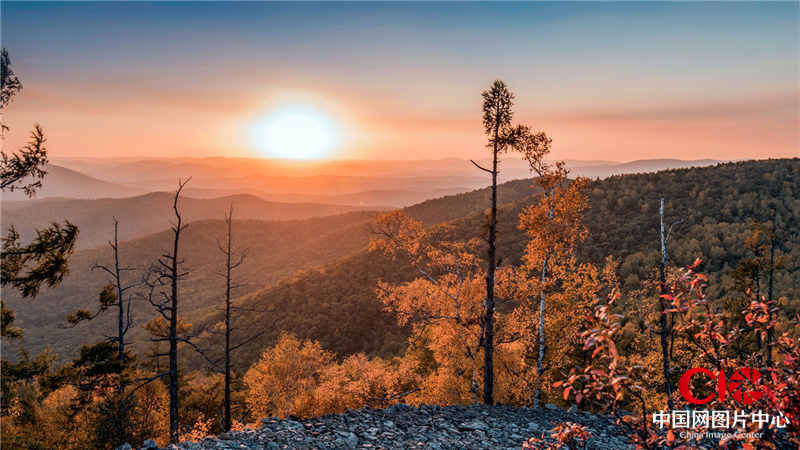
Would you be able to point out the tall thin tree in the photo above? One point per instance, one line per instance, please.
(167, 273)
(232, 262)
(662, 277)
(497, 115)
(109, 298)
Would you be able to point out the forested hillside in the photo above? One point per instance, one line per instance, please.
(276, 250)
(336, 305)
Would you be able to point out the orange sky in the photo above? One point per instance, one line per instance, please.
(405, 83)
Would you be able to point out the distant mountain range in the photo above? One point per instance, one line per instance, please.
(63, 182)
(359, 183)
(145, 214)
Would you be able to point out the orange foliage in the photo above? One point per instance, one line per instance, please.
(282, 381)
(443, 306)
(302, 379)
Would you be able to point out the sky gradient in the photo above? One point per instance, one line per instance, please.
(612, 81)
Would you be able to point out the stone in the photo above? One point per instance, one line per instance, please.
(474, 425)
(124, 446)
(149, 444)
(430, 426)
(349, 438)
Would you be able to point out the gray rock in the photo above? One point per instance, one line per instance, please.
(551, 406)
(124, 446)
(350, 439)
(291, 424)
(432, 427)
(149, 444)
(474, 425)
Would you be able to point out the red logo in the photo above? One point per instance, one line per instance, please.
(735, 385)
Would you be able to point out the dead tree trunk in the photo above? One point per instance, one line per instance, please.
(232, 261)
(171, 263)
(167, 275)
(227, 424)
(663, 307)
(124, 324)
(770, 288)
(228, 251)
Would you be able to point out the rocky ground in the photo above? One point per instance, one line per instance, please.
(405, 427)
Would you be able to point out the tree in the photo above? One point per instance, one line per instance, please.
(162, 280)
(24, 170)
(9, 83)
(232, 261)
(114, 295)
(43, 261)
(443, 304)
(497, 115)
(554, 224)
(283, 380)
(665, 330)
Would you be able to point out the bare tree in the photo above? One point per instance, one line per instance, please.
(162, 280)
(662, 277)
(123, 304)
(773, 242)
(664, 322)
(115, 295)
(232, 262)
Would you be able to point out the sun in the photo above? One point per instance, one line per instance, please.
(295, 132)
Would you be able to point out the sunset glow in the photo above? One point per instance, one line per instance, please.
(296, 132)
(722, 83)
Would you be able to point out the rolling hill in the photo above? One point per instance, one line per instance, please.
(336, 304)
(316, 279)
(277, 250)
(138, 216)
(63, 182)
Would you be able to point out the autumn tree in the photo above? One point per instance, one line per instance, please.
(765, 247)
(300, 378)
(443, 305)
(283, 380)
(606, 382)
(502, 137)
(554, 225)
